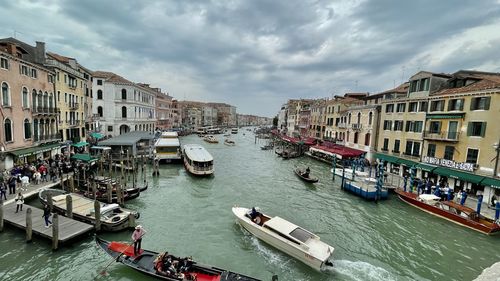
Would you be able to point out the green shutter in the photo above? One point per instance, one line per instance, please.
(472, 103)
(487, 104)
(483, 129)
(449, 105)
(461, 104)
(469, 128)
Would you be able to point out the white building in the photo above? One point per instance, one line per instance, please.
(121, 106)
(209, 116)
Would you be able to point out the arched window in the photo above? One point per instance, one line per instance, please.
(124, 94)
(99, 111)
(27, 129)
(51, 101)
(39, 102)
(124, 112)
(349, 120)
(359, 117)
(347, 136)
(25, 97)
(45, 100)
(35, 129)
(370, 117)
(356, 137)
(367, 139)
(5, 94)
(8, 130)
(33, 99)
(99, 94)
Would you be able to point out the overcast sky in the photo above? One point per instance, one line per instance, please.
(257, 54)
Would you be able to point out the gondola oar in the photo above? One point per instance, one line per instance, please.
(103, 272)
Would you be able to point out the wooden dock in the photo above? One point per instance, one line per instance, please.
(68, 229)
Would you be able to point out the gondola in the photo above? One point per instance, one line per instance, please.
(144, 262)
(308, 179)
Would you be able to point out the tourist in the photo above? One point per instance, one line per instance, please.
(25, 181)
(19, 202)
(137, 238)
(3, 190)
(46, 216)
(12, 185)
(37, 177)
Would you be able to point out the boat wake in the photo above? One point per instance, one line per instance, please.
(361, 271)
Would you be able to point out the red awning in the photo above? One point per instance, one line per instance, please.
(306, 141)
(343, 151)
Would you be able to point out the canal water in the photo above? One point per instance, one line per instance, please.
(192, 216)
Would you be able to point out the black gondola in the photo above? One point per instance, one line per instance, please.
(145, 263)
(309, 179)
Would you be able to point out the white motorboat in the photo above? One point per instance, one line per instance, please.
(211, 139)
(197, 160)
(287, 237)
(348, 173)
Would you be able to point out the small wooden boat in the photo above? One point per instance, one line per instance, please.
(113, 217)
(147, 263)
(287, 237)
(229, 142)
(267, 147)
(307, 178)
(211, 139)
(451, 211)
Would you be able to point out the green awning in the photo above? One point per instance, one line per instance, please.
(445, 116)
(387, 158)
(80, 144)
(407, 162)
(83, 157)
(426, 167)
(463, 176)
(97, 136)
(491, 182)
(33, 150)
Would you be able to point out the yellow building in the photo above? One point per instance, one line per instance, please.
(71, 87)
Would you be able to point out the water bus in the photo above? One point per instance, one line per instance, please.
(197, 160)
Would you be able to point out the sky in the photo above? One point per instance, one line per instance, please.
(257, 54)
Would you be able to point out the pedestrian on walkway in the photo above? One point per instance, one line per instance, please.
(46, 216)
(25, 181)
(137, 238)
(37, 177)
(3, 190)
(19, 202)
(12, 185)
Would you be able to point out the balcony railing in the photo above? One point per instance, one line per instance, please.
(342, 125)
(442, 135)
(48, 137)
(73, 122)
(73, 106)
(357, 127)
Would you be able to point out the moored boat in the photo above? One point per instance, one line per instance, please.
(229, 142)
(211, 139)
(305, 176)
(234, 130)
(287, 237)
(451, 211)
(197, 160)
(113, 217)
(153, 264)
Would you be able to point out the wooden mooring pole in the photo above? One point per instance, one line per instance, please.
(1, 215)
(109, 193)
(97, 211)
(49, 201)
(55, 232)
(69, 206)
(29, 225)
(131, 220)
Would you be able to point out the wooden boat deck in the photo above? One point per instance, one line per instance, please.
(81, 205)
(68, 228)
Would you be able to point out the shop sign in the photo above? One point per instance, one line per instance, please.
(449, 163)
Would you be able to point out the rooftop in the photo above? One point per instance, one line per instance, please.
(129, 138)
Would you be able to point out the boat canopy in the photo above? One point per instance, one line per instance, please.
(289, 229)
(168, 142)
(169, 135)
(197, 153)
(338, 150)
(109, 207)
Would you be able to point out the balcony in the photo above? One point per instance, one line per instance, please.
(342, 125)
(47, 138)
(357, 127)
(442, 136)
(73, 106)
(73, 123)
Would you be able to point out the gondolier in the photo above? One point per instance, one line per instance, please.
(137, 237)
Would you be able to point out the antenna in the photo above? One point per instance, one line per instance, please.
(402, 74)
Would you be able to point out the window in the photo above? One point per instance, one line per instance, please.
(34, 73)
(124, 94)
(435, 127)
(448, 152)
(4, 63)
(396, 146)
(359, 117)
(8, 130)
(437, 105)
(5, 94)
(456, 104)
(99, 111)
(387, 125)
(389, 108)
(401, 107)
(110, 128)
(431, 150)
(386, 145)
(476, 129)
(413, 107)
(424, 85)
(50, 78)
(24, 70)
(370, 118)
(99, 82)
(481, 103)
(423, 106)
(367, 139)
(398, 125)
(356, 137)
(33, 99)
(412, 148)
(66, 97)
(99, 94)
(27, 129)
(410, 125)
(418, 126)
(413, 86)
(25, 98)
(472, 155)
(124, 112)
(349, 119)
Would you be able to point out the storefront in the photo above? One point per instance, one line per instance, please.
(31, 154)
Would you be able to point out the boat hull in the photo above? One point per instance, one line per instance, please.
(298, 172)
(412, 199)
(368, 195)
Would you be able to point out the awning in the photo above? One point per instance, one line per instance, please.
(491, 182)
(387, 158)
(445, 116)
(463, 176)
(33, 150)
(80, 144)
(407, 162)
(83, 157)
(97, 136)
(426, 167)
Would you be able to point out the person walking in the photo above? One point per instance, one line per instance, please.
(19, 202)
(3, 190)
(46, 216)
(12, 185)
(137, 238)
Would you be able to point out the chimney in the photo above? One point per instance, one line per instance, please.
(40, 52)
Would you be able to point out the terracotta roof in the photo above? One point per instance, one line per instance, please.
(486, 81)
(111, 77)
(403, 88)
(59, 58)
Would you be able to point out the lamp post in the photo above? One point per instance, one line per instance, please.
(497, 149)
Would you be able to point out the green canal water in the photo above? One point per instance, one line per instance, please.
(192, 216)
